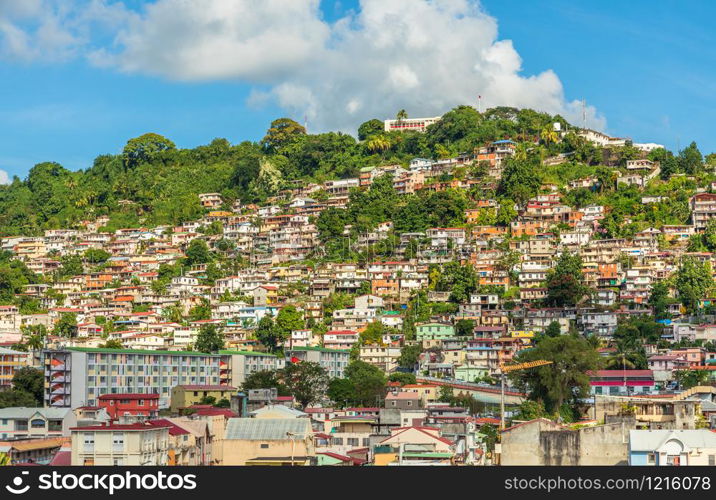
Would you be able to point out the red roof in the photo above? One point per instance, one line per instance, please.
(105, 397)
(119, 427)
(207, 387)
(174, 429)
(621, 373)
(62, 458)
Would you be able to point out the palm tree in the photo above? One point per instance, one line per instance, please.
(35, 341)
(619, 362)
(521, 152)
(549, 135)
(378, 144)
(402, 115)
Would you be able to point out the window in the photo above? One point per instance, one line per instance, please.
(264, 445)
(89, 441)
(352, 441)
(118, 441)
(651, 458)
(20, 425)
(118, 461)
(37, 423)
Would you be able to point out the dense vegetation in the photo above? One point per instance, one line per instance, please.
(162, 181)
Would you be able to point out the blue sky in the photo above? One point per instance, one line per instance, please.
(646, 68)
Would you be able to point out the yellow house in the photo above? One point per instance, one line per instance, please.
(426, 392)
(184, 396)
(268, 441)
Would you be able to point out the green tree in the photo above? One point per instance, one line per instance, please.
(465, 327)
(553, 330)
(208, 400)
(267, 335)
(306, 381)
(288, 319)
(460, 280)
(363, 385)
(341, 391)
(14, 399)
(112, 344)
(530, 410)
(409, 355)
(520, 180)
(564, 381)
(282, 132)
(506, 212)
(144, 149)
(373, 333)
(402, 377)
(370, 128)
(378, 144)
(210, 339)
(71, 266)
(197, 252)
(67, 325)
(690, 160)
(659, 299)
(709, 236)
(691, 378)
(565, 282)
(96, 255)
(265, 379)
(693, 281)
(30, 380)
(201, 311)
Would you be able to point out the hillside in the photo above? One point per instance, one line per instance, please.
(153, 183)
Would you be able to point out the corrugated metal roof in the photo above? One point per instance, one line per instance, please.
(267, 428)
(650, 440)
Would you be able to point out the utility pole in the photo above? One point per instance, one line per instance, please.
(584, 113)
(504, 369)
(502, 400)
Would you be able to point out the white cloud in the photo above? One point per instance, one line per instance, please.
(55, 30)
(425, 56)
(254, 40)
(4, 177)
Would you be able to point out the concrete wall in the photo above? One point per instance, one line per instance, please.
(547, 443)
(237, 452)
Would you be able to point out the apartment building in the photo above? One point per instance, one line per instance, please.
(78, 376)
(10, 362)
(334, 361)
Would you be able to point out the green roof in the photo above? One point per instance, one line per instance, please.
(247, 353)
(319, 349)
(136, 351)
